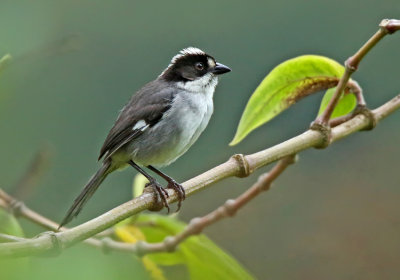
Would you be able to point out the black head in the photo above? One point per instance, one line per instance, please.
(191, 64)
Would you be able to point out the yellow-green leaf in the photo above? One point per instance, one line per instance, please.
(132, 234)
(139, 182)
(9, 224)
(202, 258)
(10, 267)
(283, 86)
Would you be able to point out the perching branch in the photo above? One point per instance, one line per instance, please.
(387, 26)
(238, 165)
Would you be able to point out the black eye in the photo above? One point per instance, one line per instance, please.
(199, 66)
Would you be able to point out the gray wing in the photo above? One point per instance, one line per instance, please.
(148, 105)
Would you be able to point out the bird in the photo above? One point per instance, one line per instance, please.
(159, 123)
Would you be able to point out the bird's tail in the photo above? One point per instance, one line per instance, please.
(87, 192)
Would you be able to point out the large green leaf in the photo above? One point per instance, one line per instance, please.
(283, 86)
(203, 259)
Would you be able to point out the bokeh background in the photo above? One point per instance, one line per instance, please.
(334, 215)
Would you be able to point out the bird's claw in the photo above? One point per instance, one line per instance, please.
(172, 184)
(161, 193)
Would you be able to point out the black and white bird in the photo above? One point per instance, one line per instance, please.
(159, 124)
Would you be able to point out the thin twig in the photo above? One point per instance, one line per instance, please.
(238, 165)
(339, 120)
(10, 238)
(385, 27)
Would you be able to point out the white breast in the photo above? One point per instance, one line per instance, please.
(197, 115)
(196, 104)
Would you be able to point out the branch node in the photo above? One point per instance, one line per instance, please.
(141, 249)
(244, 167)
(170, 244)
(389, 26)
(326, 133)
(351, 64)
(263, 183)
(195, 225)
(230, 207)
(56, 248)
(363, 110)
(16, 207)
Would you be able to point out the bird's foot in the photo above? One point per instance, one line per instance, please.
(161, 193)
(172, 184)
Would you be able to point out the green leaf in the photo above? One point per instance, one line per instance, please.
(203, 259)
(283, 86)
(139, 182)
(346, 103)
(9, 225)
(10, 267)
(219, 264)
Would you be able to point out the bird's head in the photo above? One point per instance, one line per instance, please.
(192, 65)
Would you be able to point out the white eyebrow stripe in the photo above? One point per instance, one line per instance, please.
(141, 125)
(211, 62)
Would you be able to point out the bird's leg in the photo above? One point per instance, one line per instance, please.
(161, 192)
(172, 184)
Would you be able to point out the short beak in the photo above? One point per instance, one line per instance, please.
(220, 69)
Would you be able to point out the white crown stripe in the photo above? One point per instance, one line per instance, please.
(187, 51)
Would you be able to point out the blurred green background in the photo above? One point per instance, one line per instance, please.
(334, 215)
